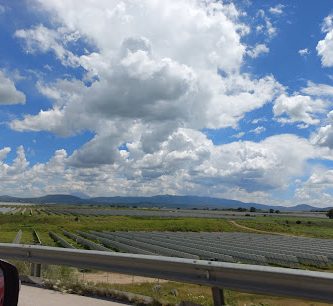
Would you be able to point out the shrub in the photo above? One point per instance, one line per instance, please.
(330, 214)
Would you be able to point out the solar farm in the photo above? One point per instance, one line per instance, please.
(174, 213)
(288, 240)
(176, 233)
(228, 247)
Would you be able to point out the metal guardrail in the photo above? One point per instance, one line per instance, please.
(303, 284)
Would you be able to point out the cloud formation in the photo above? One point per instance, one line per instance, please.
(149, 78)
(325, 46)
(298, 108)
(8, 92)
(186, 162)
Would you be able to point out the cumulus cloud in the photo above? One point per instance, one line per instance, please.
(304, 52)
(276, 10)
(325, 46)
(238, 135)
(145, 96)
(3, 153)
(316, 190)
(140, 74)
(186, 162)
(324, 135)
(257, 50)
(327, 24)
(213, 21)
(42, 39)
(258, 130)
(318, 90)
(267, 27)
(8, 92)
(192, 161)
(258, 120)
(298, 108)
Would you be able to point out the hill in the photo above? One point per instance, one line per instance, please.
(169, 201)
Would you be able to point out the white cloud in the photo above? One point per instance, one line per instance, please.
(42, 39)
(239, 135)
(3, 153)
(257, 50)
(144, 75)
(186, 162)
(325, 46)
(304, 52)
(324, 135)
(8, 92)
(318, 90)
(258, 120)
(327, 24)
(191, 22)
(147, 91)
(298, 108)
(258, 130)
(316, 190)
(268, 28)
(276, 10)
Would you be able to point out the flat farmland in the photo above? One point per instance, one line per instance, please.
(285, 241)
(55, 218)
(46, 219)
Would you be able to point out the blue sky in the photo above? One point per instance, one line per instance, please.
(228, 99)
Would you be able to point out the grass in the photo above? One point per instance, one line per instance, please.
(10, 224)
(202, 295)
(43, 223)
(308, 227)
(165, 293)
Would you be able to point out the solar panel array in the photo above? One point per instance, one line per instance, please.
(149, 213)
(174, 213)
(59, 240)
(228, 247)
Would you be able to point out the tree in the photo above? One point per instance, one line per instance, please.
(330, 213)
(252, 209)
(271, 211)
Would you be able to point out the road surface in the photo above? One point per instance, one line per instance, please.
(33, 296)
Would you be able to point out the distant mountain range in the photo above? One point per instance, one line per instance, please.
(169, 201)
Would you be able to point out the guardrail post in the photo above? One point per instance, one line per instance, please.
(218, 296)
(32, 269)
(35, 269)
(38, 270)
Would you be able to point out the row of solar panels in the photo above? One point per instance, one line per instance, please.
(145, 213)
(267, 241)
(300, 247)
(201, 246)
(265, 255)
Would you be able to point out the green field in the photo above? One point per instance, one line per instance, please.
(10, 224)
(43, 223)
(308, 227)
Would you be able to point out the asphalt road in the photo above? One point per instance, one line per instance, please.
(33, 296)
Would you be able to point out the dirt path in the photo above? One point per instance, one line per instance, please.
(259, 231)
(33, 296)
